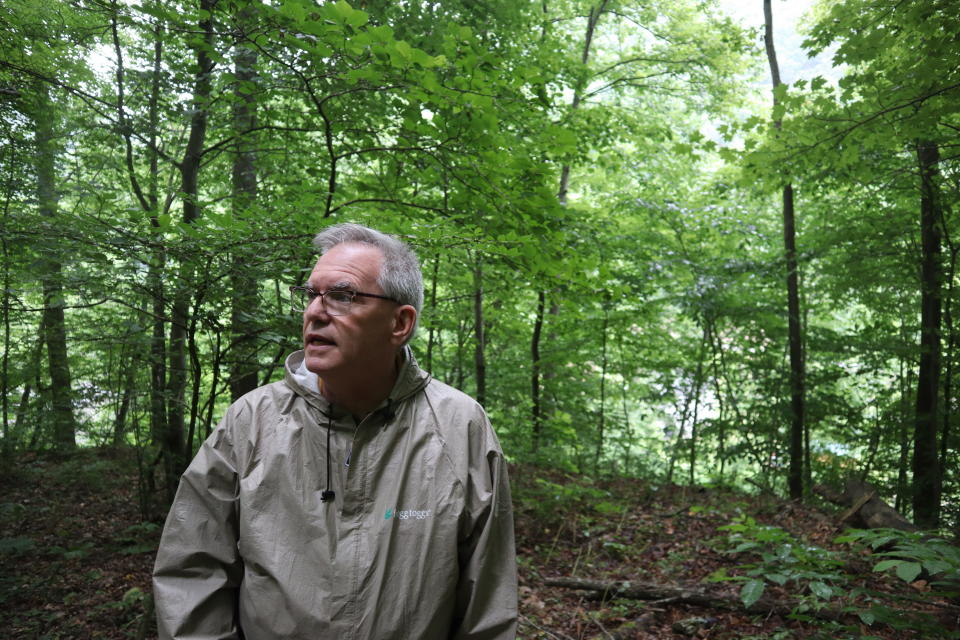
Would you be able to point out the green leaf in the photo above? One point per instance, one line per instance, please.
(821, 590)
(778, 578)
(867, 617)
(720, 575)
(933, 567)
(16, 546)
(292, 9)
(886, 565)
(751, 592)
(404, 49)
(908, 571)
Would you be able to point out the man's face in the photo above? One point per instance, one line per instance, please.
(347, 348)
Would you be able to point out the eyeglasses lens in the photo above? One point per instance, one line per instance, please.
(335, 303)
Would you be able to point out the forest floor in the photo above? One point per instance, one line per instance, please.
(75, 561)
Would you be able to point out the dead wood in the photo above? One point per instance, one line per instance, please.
(665, 594)
(628, 630)
(866, 509)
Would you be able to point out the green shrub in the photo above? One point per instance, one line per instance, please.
(909, 554)
(781, 559)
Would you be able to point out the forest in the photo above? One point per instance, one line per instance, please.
(677, 283)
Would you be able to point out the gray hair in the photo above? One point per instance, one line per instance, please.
(400, 276)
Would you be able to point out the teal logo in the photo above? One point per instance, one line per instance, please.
(407, 514)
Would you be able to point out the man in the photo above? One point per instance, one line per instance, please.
(357, 498)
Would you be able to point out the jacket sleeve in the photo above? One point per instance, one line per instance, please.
(486, 606)
(198, 569)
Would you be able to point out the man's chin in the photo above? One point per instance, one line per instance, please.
(317, 364)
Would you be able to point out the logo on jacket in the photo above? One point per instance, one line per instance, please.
(407, 514)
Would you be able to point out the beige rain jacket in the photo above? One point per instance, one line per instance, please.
(417, 542)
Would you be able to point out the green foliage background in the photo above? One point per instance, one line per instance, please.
(592, 184)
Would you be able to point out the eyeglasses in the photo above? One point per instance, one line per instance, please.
(336, 302)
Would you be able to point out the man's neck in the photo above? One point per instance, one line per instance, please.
(360, 397)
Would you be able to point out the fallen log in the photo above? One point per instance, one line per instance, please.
(866, 509)
(662, 594)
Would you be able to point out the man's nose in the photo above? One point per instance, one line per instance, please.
(316, 309)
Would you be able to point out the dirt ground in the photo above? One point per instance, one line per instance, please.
(75, 560)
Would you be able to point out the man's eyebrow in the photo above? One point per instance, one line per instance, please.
(343, 285)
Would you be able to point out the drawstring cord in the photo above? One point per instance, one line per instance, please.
(328, 494)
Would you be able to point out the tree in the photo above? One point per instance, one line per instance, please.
(897, 100)
(797, 426)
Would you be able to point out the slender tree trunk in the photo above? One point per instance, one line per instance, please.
(173, 440)
(872, 447)
(150, 203)
(795, 475)
(948, 359)
(431, 333)
(158, 260)
(593, 18)
(627, 424)
(243, 366)
(214, 383)
(903, 465)
(798, 428)
(678, 438)
(54, 323)
(714, 342)
(129, 374)
(5, 373)
(536, 395)
(120, 422)
(536, 409)
(462, 338)
(33, 371)
(479, 358)
(926, 463)
(603, 387)
(697, 387)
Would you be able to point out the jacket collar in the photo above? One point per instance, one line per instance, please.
(410, 380)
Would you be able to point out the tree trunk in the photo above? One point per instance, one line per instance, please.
(903, 422)
(538, 375)
(479, 357)
(715, 348)
(603, 386)
(5, 370)
(129, 374)
(536, 409)
(243, 363)
(32, 371)
(926, 464)
(54, 323)
(948, 359)
(173, 439)
(697, 386)
(431, 332)
(795, 474)
(158, 259)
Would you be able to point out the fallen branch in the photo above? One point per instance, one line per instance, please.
(687, 595)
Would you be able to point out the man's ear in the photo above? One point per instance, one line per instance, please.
(404, 320)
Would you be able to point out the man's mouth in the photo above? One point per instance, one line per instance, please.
(318, 341)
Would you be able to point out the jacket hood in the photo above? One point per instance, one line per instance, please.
(303, 382)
